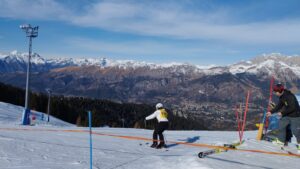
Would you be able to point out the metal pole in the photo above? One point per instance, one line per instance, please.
(28, 74)
(91, 145)
(48, 110)
(26, 114)
(123, 120)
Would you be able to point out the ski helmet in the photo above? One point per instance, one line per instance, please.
(278, 88)
(159, 105)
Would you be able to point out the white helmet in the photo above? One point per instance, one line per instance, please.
(159, 105)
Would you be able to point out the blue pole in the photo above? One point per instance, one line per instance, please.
(25, 117)
(264, 121)
(264, 117)
(91, 145)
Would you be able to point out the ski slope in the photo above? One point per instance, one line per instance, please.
(11, 114)
(59, 145)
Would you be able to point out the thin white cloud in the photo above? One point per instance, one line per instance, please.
(139, 48)
(167, 20)
(33, 9)
(180, 23)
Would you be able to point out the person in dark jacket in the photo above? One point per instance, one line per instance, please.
(289, 110)
(274, 128)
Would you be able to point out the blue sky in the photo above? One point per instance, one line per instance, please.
(161, 31)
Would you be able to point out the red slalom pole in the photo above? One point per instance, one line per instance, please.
(245, 114)
(238, 123)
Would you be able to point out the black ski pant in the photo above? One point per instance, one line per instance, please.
(295, 127)
(289, 134)
(158, 131)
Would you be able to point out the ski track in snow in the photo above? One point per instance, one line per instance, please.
(40, 149)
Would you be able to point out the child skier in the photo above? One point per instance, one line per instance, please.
(162, 117)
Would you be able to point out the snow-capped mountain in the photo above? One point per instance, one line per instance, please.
(16, 57)
(15, 61)
(268, 64)
(272, 64)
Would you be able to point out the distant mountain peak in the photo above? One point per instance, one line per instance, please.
(278, 57)
(14, 52)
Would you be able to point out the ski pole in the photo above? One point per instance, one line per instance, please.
(165, 138)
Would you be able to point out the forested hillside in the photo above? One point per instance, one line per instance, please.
(105, 113)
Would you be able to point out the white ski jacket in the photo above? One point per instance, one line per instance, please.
(161, 115)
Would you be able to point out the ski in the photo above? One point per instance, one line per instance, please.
(203, 154)
(165, 147)
(234, 145)
(290, 151)
(268, 138)
(209, 152)
(286, 149)
(230, 145)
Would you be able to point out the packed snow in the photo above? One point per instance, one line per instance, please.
(57, 145)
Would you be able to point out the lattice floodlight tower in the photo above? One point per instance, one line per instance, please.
(31, 32)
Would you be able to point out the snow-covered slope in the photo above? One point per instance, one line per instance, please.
(53, 147)
(12, 114)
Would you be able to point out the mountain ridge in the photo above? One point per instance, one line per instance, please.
(266, 63)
